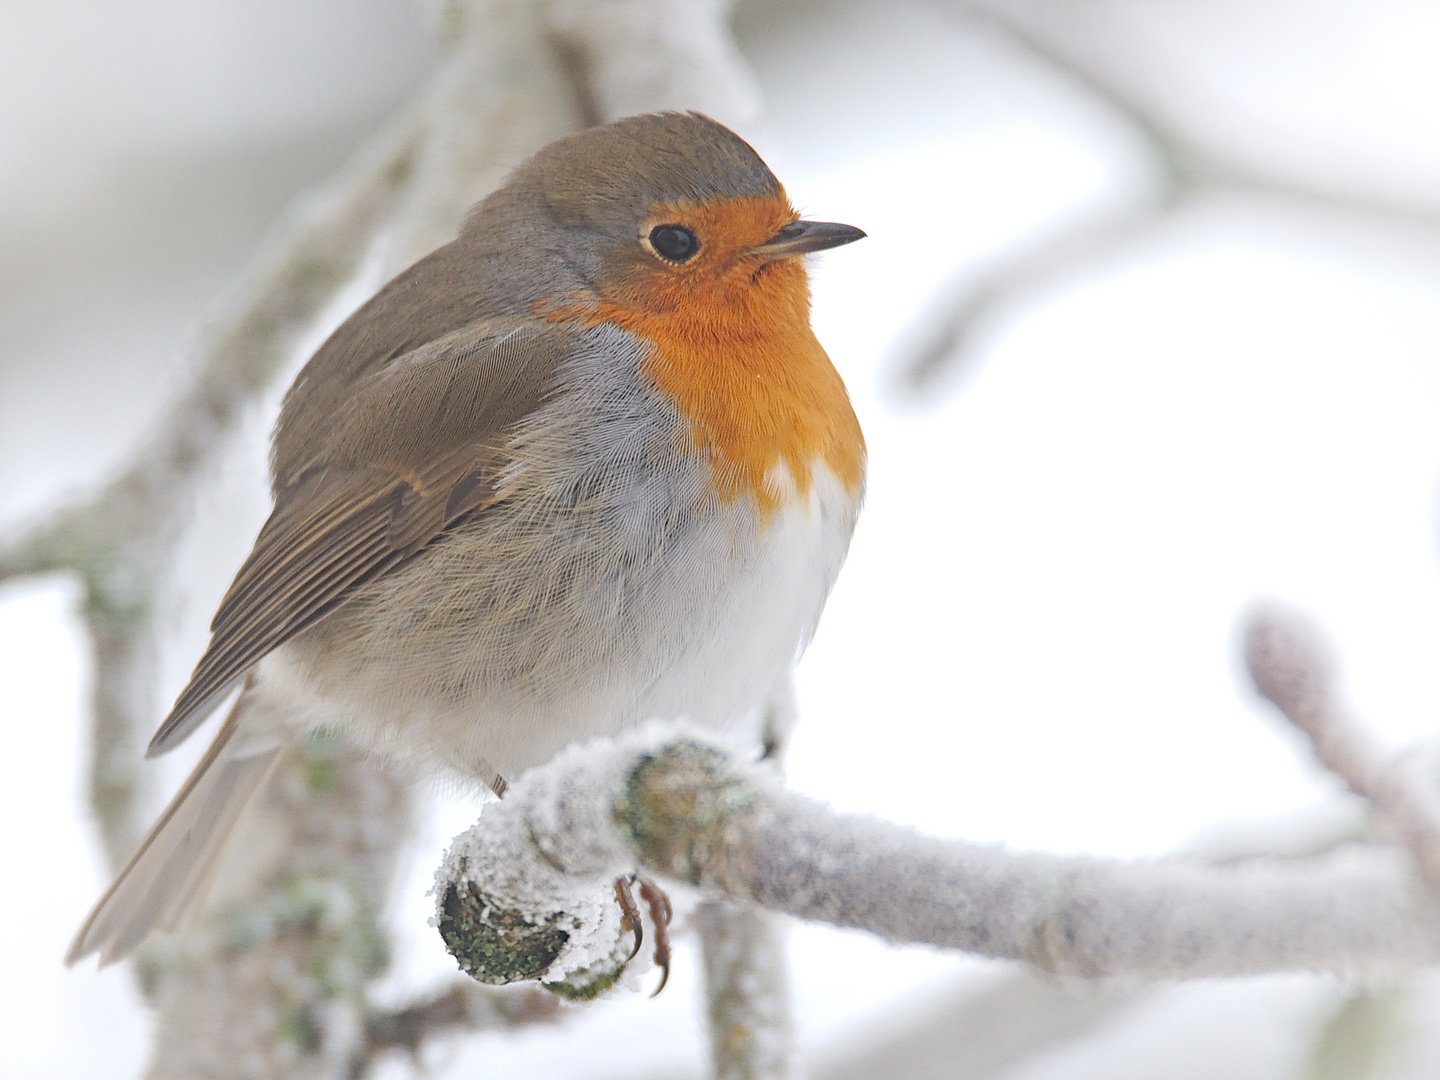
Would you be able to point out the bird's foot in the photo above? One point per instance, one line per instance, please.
(660, 914)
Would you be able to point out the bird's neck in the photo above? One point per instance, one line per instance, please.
(745, 369)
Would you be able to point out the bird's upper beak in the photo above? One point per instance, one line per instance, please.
(803, 237)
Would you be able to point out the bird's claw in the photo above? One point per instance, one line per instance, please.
(629, 913)
(660, 915)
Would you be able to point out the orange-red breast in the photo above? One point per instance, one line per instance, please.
(584, 465)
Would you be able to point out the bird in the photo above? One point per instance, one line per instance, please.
(585, 465)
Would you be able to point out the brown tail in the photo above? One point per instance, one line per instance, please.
(167, 878)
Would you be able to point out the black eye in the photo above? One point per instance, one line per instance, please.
(674, 242)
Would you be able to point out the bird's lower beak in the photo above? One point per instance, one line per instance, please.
(803, 237)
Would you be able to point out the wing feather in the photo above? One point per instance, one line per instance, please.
(417, 448)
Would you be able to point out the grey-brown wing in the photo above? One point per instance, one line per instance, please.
(416, 448)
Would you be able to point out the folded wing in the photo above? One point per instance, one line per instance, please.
(416, 448)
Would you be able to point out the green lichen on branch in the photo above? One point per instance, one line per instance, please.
(587, 983)
(679, 804)
(495, 945)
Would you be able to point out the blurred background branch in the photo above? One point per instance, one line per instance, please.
(1075, 42)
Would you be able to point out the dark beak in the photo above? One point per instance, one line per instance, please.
(803, 237)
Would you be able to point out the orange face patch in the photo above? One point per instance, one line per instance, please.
(734, 348)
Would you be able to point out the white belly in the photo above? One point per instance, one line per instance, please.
(719, 618)
(611, 587)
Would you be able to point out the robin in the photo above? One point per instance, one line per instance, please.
(585, 465)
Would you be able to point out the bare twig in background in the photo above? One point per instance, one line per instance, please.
(500, 92)
(662, 54)
(967, 1033)
(673, 802)
(962, 1032)
(1292, 667)
(944, 339)
(747, 994)
(462, 1007)
(1071, 41)
(1068, 40)
(272, 981)
(747, 981)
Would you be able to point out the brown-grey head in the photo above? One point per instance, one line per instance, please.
(646, 193)
(656, 212)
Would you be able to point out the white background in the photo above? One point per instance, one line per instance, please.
(1034, 639)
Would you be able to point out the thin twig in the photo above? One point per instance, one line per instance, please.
(460, 1008)
(1183, 167)
(965, 1032)
(1292, 667)
(747, 993)
(934, 350)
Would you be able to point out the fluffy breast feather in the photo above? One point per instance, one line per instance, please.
(612, 584)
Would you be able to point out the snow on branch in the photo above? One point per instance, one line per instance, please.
(674, 802)
(1292, 667)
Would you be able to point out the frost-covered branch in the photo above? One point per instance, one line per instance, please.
(675, 804)
(1292, 667)
(747, 993)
